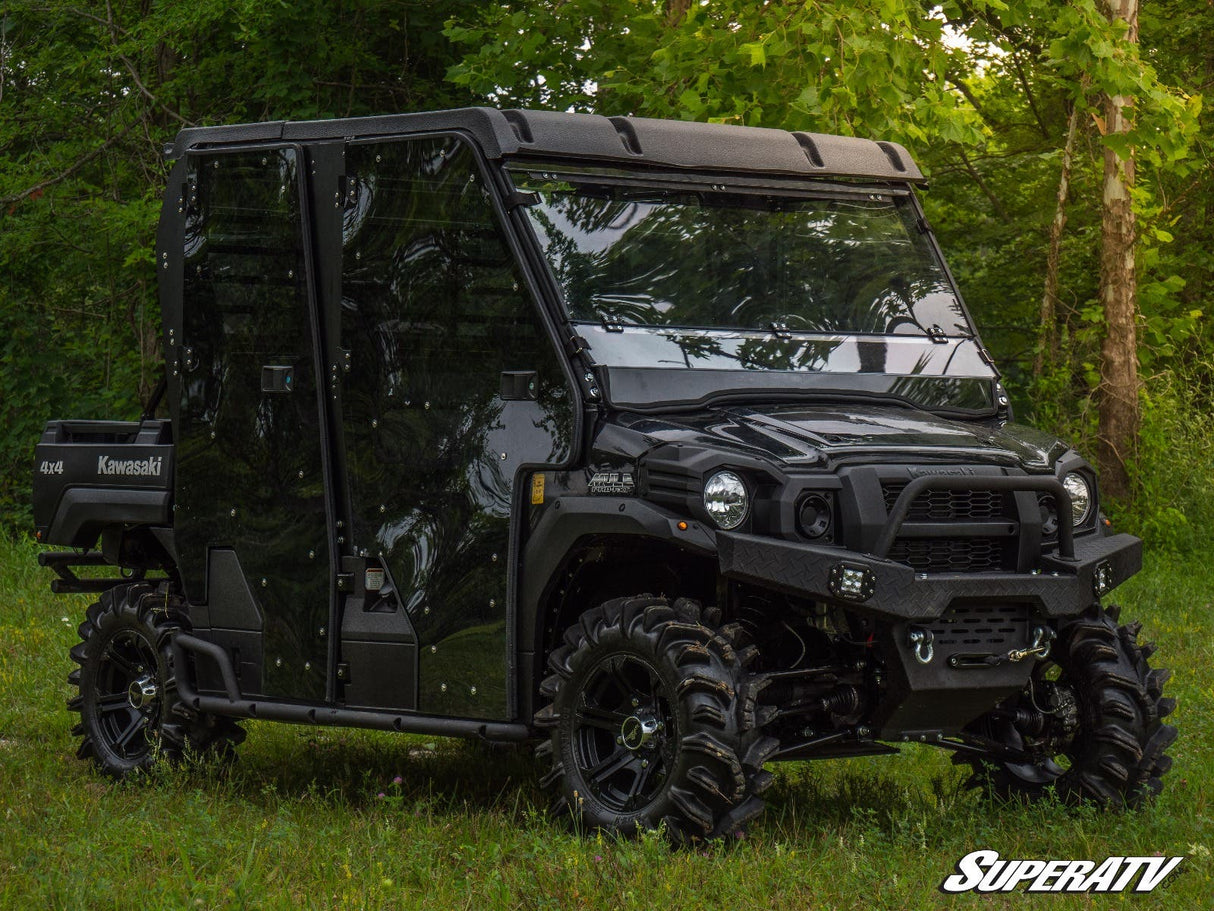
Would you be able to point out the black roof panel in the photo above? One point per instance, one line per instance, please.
(593, 138)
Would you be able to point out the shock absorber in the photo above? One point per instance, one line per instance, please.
(842, 700)
(1028, 721)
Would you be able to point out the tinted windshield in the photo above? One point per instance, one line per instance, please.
(712, 258)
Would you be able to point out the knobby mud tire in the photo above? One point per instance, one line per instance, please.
(709, 766)
(124, 640)
(1117, 758)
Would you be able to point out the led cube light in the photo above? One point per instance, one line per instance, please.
(1102, 579)
(852, 583)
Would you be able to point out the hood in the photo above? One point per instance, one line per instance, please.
(809, 435)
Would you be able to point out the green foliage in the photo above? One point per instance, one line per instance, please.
(811, 65)
(1174, 509)
(986, 116)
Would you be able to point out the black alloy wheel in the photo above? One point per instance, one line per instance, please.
(624, 733)
(128, 696)
(130, 714)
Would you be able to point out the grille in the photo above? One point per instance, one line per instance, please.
(669, 486)
(962, 505)
(950, 555)
(987, 625)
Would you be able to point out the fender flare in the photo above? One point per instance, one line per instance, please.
(569, 519)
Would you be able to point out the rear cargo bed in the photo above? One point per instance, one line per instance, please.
(92, 474)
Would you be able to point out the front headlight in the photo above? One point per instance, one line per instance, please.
(1081, 497)
(726, 499)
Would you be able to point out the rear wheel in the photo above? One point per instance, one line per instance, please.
(650, 722)
(129, 711)
(1091, 721)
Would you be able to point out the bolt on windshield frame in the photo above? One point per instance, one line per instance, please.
(676, 217)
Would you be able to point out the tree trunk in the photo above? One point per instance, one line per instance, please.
(1047, 342)
(675, 11)
(1118, 394)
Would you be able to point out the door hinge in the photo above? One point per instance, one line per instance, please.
(189, 196)
(347, 192)
(186, 360)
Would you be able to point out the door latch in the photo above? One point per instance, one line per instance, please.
(276, 378)
(519, 386)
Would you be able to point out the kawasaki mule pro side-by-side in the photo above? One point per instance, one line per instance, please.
(668, 445)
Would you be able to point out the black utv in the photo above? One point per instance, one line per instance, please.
(668, 446)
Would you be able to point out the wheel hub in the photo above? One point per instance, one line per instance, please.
(638, 730)
(143, 692)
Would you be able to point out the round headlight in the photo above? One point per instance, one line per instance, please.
(726, 499)
(1081, 497)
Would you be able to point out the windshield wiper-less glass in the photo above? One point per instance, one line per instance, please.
(711, 258)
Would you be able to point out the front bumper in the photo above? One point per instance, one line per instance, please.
(1060, 588)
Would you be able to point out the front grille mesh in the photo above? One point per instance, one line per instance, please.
(950, 555)
(953, 553)
(961, 505)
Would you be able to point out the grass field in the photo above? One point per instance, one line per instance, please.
(312, 818)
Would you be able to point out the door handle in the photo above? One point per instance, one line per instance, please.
(276, 378)
(519, 386)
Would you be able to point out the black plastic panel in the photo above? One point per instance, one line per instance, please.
(590, 137)
(249, 466)
(434, 311)
(89, 474)
(232, 604)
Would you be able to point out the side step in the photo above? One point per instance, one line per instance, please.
(235, 706)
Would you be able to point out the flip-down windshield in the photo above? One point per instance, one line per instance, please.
(846, 263)
(755, 292)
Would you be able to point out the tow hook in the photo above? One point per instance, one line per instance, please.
(921, 644)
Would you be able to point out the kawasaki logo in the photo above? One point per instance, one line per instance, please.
(134, 467)
(940, 472)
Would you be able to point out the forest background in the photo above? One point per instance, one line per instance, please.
(1065, 141)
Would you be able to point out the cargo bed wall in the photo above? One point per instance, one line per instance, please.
(90, 474)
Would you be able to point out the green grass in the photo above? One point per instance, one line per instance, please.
(299, 820)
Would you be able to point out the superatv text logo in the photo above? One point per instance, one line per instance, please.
(984, 871)
(149, 467)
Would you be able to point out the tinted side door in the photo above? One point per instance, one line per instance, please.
(250, 514)
(435, 310)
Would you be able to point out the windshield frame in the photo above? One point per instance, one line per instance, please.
(818, 384)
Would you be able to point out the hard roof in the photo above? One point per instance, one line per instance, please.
(593, 138)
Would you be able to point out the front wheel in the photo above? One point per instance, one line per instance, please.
(1090, 721)
(129, 711)
(651, 723)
